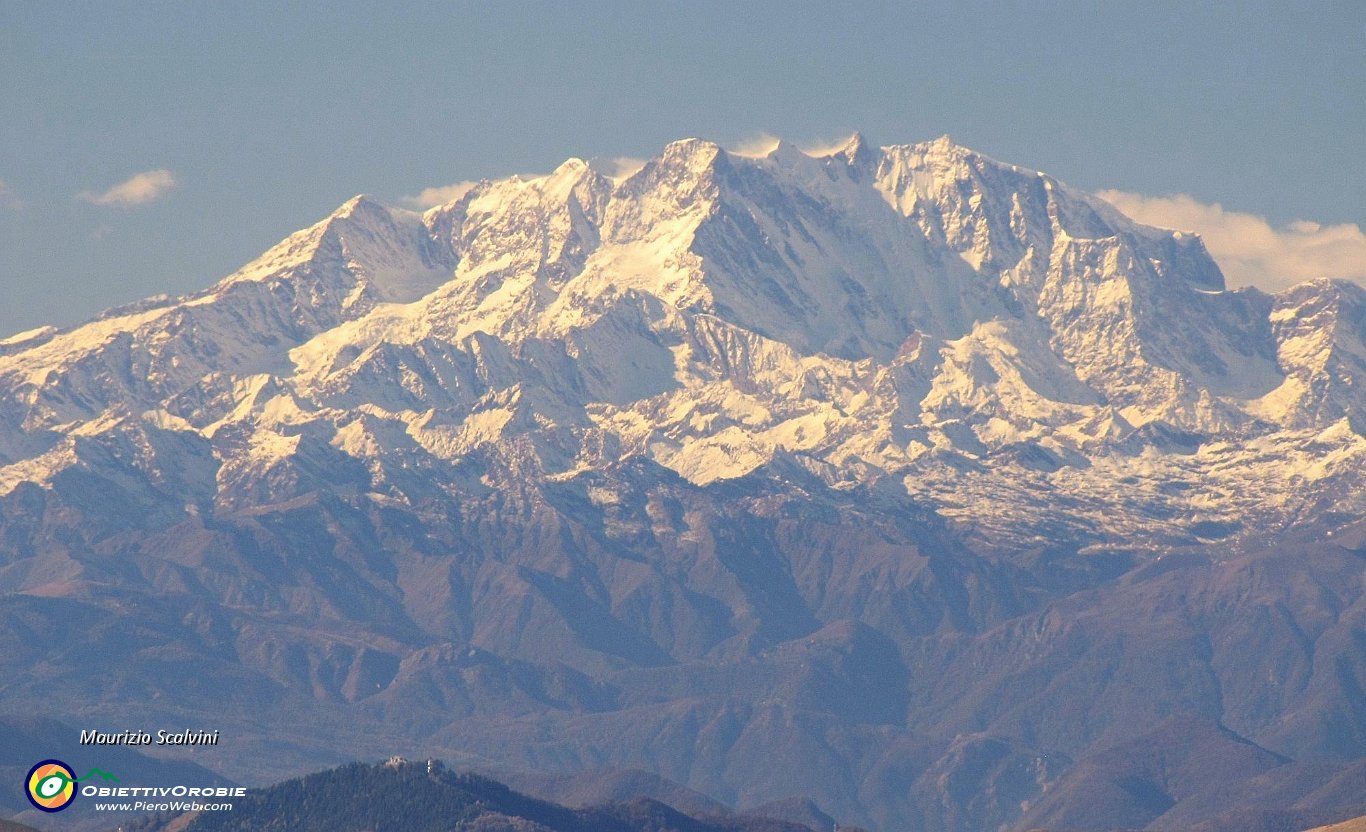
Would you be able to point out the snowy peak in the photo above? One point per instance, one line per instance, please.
(920, 311)
(1326, 303)
(576, 456)
(372, 253)
(681, 176)
(1320, 332)
(856, 152)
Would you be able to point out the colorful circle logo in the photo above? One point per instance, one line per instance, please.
(51, 785)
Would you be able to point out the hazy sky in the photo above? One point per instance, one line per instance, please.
(150, 148)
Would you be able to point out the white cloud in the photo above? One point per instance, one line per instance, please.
(758, 145)
(825, 147)
(1249, 250)
(762, 144)
(138, 189)
(618, 167)
(440, 195)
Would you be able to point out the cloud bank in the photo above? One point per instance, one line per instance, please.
(1249, 250)
(826, 147)
(757, 145)
(139, 189)
(439, 195)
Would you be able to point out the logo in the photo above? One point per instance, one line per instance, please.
(51, 785)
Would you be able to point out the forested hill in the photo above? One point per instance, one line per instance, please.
(406, 798)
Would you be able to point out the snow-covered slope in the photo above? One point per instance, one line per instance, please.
(898, 477)
(978, 331)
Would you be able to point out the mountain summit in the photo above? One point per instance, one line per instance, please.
(726, 454)
(916, 310)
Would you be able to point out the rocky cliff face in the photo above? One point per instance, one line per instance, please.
(897, 477)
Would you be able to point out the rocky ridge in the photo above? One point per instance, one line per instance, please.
(844, 460)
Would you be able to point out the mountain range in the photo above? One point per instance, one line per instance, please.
(899, 478)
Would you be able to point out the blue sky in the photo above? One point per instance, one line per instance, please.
(150, 147)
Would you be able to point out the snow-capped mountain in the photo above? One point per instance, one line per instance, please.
(522, 423)
(919, 311)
